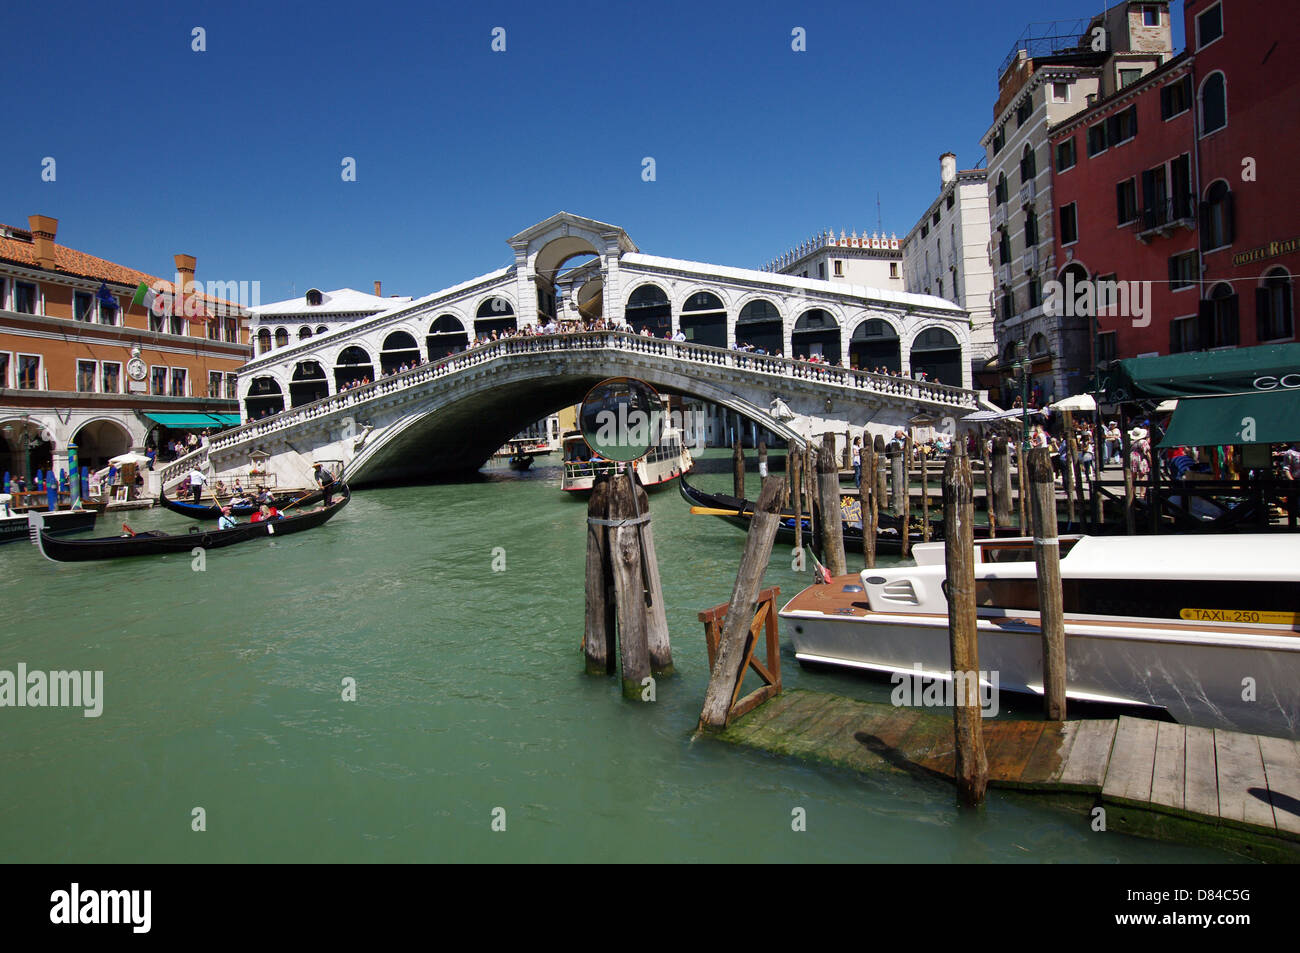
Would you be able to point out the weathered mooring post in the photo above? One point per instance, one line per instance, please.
(789, 473)
(657, 641)
(832, 519)
(762, 462)
(796, 493)
(905, 526)
(897, 480)
(728, 669)
(925, 496)
(846, 462)
(1001, 481)
(867, 503)
(972, 770)
(629, 586)
(738, 469)
(1047, 560)
(882, 473)
(598, 641)
(988, 485)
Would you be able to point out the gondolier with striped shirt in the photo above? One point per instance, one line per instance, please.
(325, 480)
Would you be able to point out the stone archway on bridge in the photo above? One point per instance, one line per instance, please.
(100, 440)
(264, 397)
(936, 351)
(759, 324)
(308, 384)
(648, 307)
(354, 366)
(875, 344)
(494, 314)
(25, 448)
(399, 348)
(704, 319)
(816, 332)
(446, 335)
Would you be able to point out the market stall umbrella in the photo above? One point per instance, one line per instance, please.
(124, 458)
(1079, 403)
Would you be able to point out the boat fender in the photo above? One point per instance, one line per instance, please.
(206, 541)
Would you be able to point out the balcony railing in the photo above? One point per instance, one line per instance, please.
(1165, 215)
(1028, 193)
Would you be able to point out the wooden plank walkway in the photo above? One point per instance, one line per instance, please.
(1245, 788)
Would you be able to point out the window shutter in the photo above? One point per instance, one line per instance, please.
(1173, 271)
(1119, 201)
(1165, 101)
(1173, 337)
(1261, 315)
(1204, 325)
(1229, 225)
(1205, 226)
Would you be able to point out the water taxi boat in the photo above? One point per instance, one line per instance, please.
(667, 460)
(13, 526)
(1206, 628)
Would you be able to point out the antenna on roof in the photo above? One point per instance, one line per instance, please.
(880, 225)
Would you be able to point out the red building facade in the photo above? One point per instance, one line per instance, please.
(1177, 188)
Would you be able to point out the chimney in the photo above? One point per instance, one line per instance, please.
(43, 230)
(947, 168)
(377, 292)
(185, 271)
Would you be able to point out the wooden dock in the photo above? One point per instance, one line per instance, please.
(1223, 789)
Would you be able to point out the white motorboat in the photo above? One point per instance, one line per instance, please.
(667, 460)
(1204, 627)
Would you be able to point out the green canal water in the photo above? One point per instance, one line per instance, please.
(223, 691)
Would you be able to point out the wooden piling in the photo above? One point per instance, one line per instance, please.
(897, 481)
(728, 669)
(847, 459)
(598, 641)
(1022, 474)
(789, 454)
(867, 498)
(882, 473)
(796, 493)
(972, 770)
(904, 529)
(738, 469)
(832, 519)
(657, 641)
(925, 496)
(1047, 560)
(988, 485)
(1130, 515)
(1070, 472)
(1001, 481)
(762, 462)
(629, 586)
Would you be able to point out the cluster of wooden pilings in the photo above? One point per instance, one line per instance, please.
(624, 596)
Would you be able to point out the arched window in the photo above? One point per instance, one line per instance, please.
(264, 398)
(263, 340)
(304, 333)
(1217, 216)
(1274, 307)
(875, 346)
(936, 352)
(399, 348)
(1214, 103)
(647, 307)
(1004, 247)
(446, 336)
(495, 314)
(314, 298)
(354, 367)
(816, 333)
(308, 384)
(322, 330)
(1001, 190)
(1028, 166)
(704, 319)
(281, 337)
(1038, 345)
(1218, 318)
(759, 326)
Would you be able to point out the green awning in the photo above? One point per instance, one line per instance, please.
(202, 421)
(1271, 416)
(1263, 369)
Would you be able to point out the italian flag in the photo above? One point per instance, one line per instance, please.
(144, 296)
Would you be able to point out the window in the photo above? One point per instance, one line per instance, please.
(314, 298)
(108, 312)
(1127, 77)
(1035, 293)
(214, 329)
(1122, 126)
(1182, 335)
(158, 381)
(1214, 104)
(1028, 166)
(1065, 155)
(263, 340)
(1069, 224)
(4, 368)
(1209, 26)
(1274, 307)
(1024, 111)
(176, 324)
(83, 306)
(940, 287)
(1216, 217)
(839, 268)
(999, 139)
(1126, 201)
(1096, 139)
(1105, 348)
(925, 231)
(1150, 15)
(1218, 317)
(934, 219)
(29, 371)
(1107, 290)
(1176, 97)
(155, 321)
(893, 269)
(1004, 247)
(214, 383)
(1008, 306)
(231, 326)
(1060, 92)
(110, 377)
(25, 297)
(1000, 191)
(86, 377)
(232, 386)
(178, 382)
(1182, 270)
(1031, 229)
(948, 202)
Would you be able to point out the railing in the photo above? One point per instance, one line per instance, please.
(1028, 192)
(1168, 211)
(702, 355)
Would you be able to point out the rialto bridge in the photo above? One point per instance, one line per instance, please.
(461, 399)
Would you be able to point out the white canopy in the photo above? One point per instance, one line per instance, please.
(1076, 404)
(132, 457)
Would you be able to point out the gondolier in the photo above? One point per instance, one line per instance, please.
(325, 480)
(197, 479)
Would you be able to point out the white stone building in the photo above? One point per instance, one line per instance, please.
(946, 252)
(874, 262)
(281, 323)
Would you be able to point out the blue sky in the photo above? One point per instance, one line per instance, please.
(234, 154)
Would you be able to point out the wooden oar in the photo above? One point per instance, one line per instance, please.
(296, 502)
(128, 530)
(711, 511)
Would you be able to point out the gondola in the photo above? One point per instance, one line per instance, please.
(740, 512)
(156, 543)
(198, 511)
(521, 461)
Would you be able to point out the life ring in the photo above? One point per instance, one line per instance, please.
(206, 541)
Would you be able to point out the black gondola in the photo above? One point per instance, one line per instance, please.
(156, 543)
(198, 511)
(742, 511)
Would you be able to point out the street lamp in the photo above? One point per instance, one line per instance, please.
(1021, 367)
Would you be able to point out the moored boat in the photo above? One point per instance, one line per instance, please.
(156, 543)
(667, 460)
(1203, 627)
(13, 526)
(200, 511)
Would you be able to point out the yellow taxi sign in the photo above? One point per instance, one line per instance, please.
(1240, 615)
